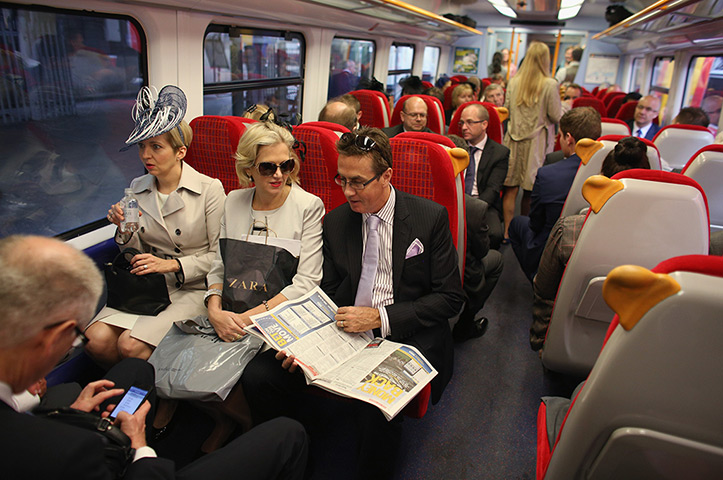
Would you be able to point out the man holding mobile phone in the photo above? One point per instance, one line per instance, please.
(49, 291)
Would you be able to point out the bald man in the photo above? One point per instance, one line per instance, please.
(646, 111)
(339, 112)
(414, 118)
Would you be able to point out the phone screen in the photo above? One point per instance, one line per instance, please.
(130, 402)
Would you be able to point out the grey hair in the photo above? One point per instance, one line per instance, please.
(43, 283)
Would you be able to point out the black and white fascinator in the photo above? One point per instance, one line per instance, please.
(156, 113)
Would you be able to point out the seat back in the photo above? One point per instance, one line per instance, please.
(494, 126)
(613, 126)
(706, 168)
(608, 98)
(591, 102)
(215, 140)
(650, 407)
(615, 105)
(430, 137)
(435, 112)
(334, 127)
(640, 217)
(319, 166)
(375, 108)
(600, 93)
(627, 111)
(678, 143)
(432, 171)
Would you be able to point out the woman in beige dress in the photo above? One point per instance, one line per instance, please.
(534, 104)
(180, 221)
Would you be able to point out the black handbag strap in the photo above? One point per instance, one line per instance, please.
(123, 259)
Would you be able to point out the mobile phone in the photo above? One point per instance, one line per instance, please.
(130, 402)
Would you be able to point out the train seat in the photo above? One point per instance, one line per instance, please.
(319, 165)
(608, 98)
(435, 112)
(706, 168)
(432, 171)
(591, 165)
(334, 127)
(430, 137)
(215, 140)
(651, 405)
(627, 111)
(613, 126)
(600, 93)
(678, 143)
(375, 108)
(639, 217)
(494, 126)
(591, 102)
(615, 105)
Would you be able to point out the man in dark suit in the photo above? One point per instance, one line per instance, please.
(407, 295)
(528, 234)
(414, 118)
(49, 293)
(645, 112)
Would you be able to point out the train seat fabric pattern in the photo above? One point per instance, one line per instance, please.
(613, 126)
(429, 137)
(215, 139)
(494, 126)
(375, 108)
(639, 217)
(318, 168)
(591, 102)
(627, 111)
(650, 407)
(334, 127)
(678, 143)
(614, 105)
(608, 98)
(435, 112)
(706, 168)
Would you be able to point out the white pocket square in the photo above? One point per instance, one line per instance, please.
(414, 249)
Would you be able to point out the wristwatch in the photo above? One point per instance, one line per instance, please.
(209, 293)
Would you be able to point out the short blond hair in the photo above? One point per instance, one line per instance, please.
(174, 136)
(459, 91)
(258, 135)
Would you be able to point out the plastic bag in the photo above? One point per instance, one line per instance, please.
(193, 363)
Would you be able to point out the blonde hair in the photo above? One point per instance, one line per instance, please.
(532, 74)
(259, 135)
(458, 92)
(174, 137)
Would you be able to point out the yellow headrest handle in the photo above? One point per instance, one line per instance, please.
(586, 148)
(598, 189)
(503, 113)
(460, 159)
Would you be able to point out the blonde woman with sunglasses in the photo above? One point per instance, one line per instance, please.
(274, 206)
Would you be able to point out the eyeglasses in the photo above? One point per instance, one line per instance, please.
(354, 184)
(361, 141)
(80, 338)
(646, 109)
(415, 115)
(268, 169)
(469, 123)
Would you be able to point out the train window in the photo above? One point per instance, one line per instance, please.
(67, 85)
(430, 65)
(704, 86)
(636, 79)
(243, 67)
(351, 62)
(401, 58)
(661, 80)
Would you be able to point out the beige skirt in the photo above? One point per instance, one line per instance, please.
(185, 304)
(526, 157)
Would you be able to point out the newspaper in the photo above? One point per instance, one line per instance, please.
(377, 371)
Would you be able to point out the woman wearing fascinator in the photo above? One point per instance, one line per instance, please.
(178, 233)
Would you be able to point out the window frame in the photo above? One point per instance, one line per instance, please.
(439, 55)
(414, 54)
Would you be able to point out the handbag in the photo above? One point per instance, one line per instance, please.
(116, 444)
(193, 363)
(130, 293)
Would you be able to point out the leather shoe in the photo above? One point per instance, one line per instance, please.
(475, 329)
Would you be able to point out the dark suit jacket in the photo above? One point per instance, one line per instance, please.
(491, 172)
(427, 287)
(553, 157)
(551, 187)
(648, 136)
(397, 129)
(34, 448)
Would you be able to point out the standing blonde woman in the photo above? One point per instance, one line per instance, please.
(534, 104)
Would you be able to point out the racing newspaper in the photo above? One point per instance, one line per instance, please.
(377, 371)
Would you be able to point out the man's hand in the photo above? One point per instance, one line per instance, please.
(358, 319)
(38, 388)
(94, 394)
(288, 362)
(135, 425)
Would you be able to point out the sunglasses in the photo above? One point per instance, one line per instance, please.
(269, 168)
(361, 141)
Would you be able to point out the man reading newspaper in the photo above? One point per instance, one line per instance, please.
(390, 264)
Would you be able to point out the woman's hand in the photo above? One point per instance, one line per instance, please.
(145, 263)
(115, 214)
(229, 326)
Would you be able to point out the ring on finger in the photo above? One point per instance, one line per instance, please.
(145, 267)
(341, 323)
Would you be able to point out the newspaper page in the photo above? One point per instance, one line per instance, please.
(386, 374)
(306, 329)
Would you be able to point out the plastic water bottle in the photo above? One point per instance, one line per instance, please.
(130, 213)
